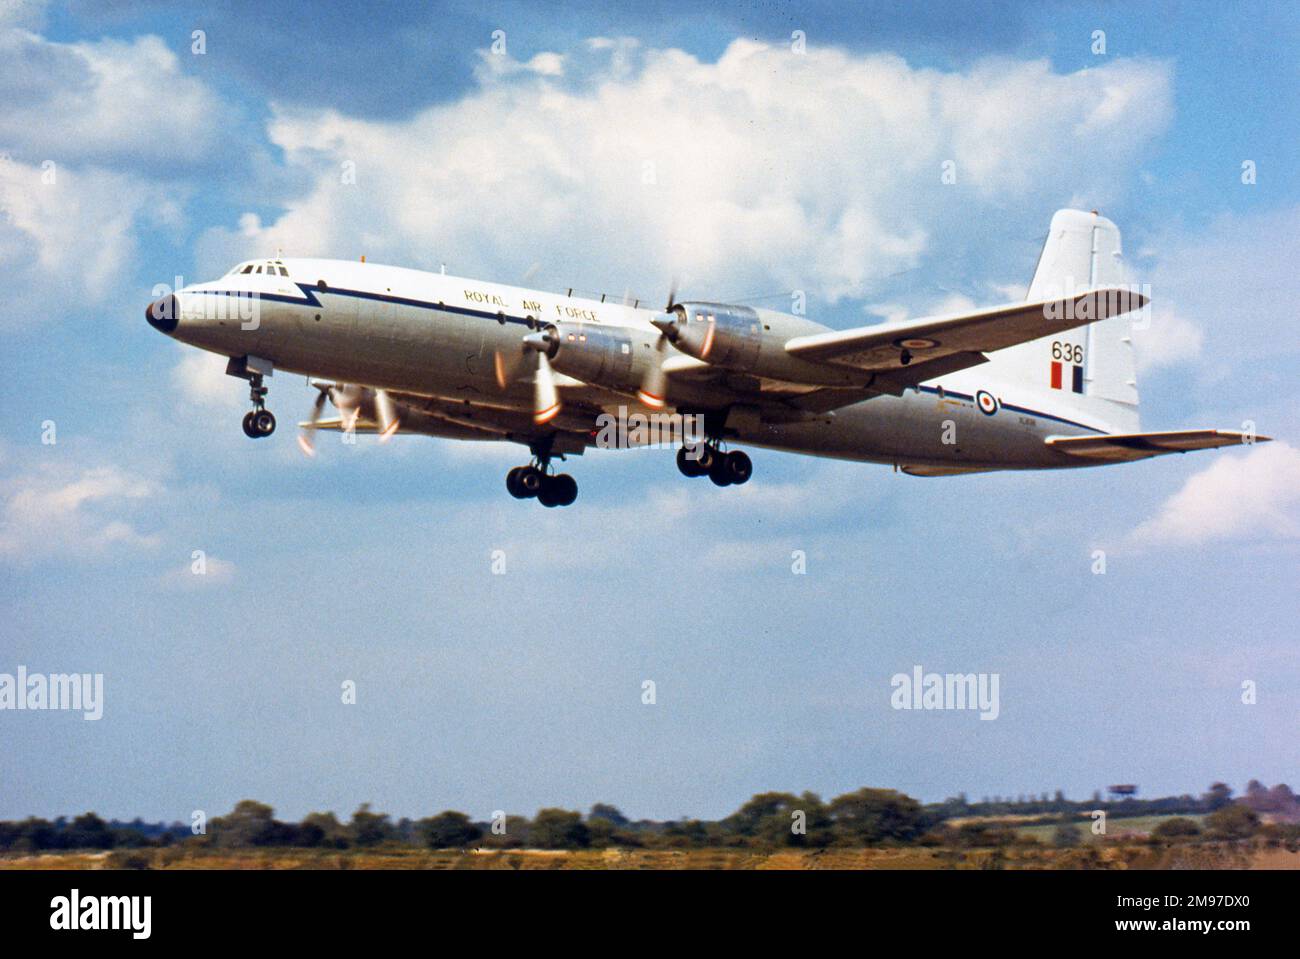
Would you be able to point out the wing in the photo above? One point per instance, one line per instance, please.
(411, 422)
(1137, 446)
(786, 401)
(906, 346)
(465, 421)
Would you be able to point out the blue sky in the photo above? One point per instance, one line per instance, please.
(771, 171)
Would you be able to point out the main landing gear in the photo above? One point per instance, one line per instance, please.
(537, 481)
(259, 421)
(732, 468)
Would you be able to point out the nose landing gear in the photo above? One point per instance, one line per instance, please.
(259, 421)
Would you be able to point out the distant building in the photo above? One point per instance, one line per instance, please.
(1122, 791)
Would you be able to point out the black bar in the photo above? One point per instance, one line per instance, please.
(971, 907)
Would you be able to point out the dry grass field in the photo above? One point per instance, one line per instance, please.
(1109, 856)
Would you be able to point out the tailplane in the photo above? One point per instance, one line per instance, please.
(1118, 448)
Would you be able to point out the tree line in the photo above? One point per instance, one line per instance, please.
(865, 817)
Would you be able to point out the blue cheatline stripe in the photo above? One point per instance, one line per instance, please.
(1011, 406)
(309, 294)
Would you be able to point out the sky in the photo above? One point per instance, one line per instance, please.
(748, 150)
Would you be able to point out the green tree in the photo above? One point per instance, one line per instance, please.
(764, 817)
(449, 830)
(608, 813)
(1219, 795)
(782, 819)
(88, 832)
(1234, 821)
(871, 816)
(369, 828)
(1179, 827)
(332, 832)
(686, 832)
(601, 832)
(250, 823)
(558, 829)
(818, 828)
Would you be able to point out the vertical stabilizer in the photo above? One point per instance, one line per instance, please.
(1089, 371)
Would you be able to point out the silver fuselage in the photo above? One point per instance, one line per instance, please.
(436, 336)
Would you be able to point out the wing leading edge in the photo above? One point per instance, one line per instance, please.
(888, 347)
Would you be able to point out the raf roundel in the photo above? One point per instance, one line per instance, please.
(985, 401)
(916, 343)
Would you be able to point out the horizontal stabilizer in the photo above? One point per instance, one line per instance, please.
(1135, 446)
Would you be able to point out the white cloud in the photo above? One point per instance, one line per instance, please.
(201, 379)
(547, 65)
(215, 572)
(818, 172)
(1009, 292)
(54, 510)
(897, 312)
(1252, 496)
(1167, 338)
(97, 140)
(492, 64)
(1221, 294)
(103, 103)
(29, 14)
(70, 237)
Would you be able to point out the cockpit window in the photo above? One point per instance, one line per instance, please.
(269, 269)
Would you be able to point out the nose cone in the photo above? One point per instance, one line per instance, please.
(163, 314)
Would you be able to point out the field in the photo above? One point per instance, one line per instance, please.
(1135, 855)
(1042, 828)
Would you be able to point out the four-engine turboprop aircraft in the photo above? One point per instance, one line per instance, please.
(1046, 383)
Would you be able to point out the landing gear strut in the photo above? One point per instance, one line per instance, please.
(259, 421)
(732, 468)
(536, 480)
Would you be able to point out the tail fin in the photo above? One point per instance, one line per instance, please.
(1089, 370)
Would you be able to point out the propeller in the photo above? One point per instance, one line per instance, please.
(507, 365)
(654, 388)
(388, 421)
(307, 434)
(546, 396)
(348, 399)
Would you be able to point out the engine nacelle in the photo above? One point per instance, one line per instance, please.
(719, 333)
(602, 355)
(751, 341)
